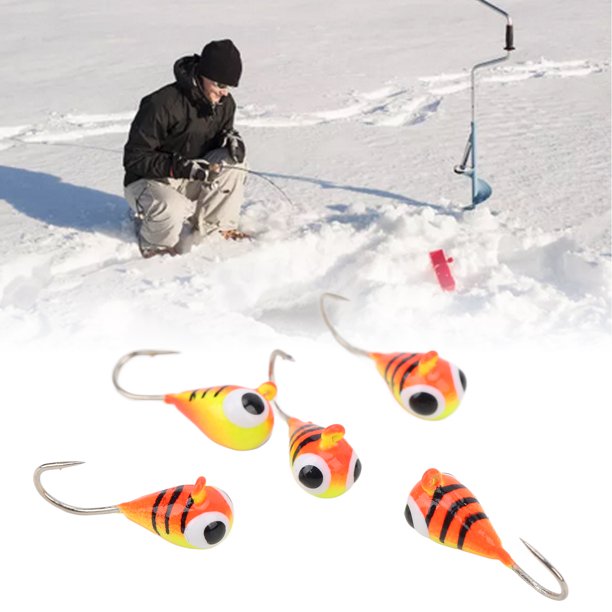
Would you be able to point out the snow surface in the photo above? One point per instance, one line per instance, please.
(358, 112)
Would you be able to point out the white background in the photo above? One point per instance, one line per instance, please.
(531, 440)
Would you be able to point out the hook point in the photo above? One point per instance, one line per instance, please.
(349, 347)
(119, 365)
(336, 296)
(58, 465)
(536, 585)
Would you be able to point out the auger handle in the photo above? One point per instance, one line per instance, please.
(509, 28)
(509, 37)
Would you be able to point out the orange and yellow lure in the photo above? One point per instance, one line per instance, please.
(193, 516)
(441, 508)
(235, 417)
(424, 384)
(322, 461)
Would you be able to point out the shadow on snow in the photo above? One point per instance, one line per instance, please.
(377, 193)
(47, 198)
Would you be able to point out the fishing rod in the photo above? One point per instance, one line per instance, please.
(222, 165)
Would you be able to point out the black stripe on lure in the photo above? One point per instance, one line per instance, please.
(439, 507)
(424, 384)
(232, 416)
(193, 516)
(322, 461)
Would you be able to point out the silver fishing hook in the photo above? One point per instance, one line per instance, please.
(278, 353)
(536, 585)
(332, 329)
(124, 360)
(58, 465)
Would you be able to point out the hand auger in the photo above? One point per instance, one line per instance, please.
(481, 190)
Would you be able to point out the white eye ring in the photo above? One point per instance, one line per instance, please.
(418, 520)
(238, 414)
(412, 390)
(350, 477)
(195, 529)
(457, 381)
(311, 459)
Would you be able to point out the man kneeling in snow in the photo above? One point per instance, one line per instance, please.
(184, 162)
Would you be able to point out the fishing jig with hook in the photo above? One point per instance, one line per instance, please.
(235, 417)
(193, 516)
(441, 508)
(322, 461)
(424, 384)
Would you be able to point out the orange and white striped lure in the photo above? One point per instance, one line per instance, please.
(441, 508)
(193, 516)
(322, 461)
(424, 384)
(235, 417)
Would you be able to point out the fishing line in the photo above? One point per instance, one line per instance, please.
(225, 166)
(265, 178)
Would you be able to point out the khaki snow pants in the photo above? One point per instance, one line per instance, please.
(170, 208)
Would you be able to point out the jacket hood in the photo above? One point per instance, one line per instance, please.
(185, 75)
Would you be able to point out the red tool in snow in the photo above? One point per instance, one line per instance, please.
(440, 265)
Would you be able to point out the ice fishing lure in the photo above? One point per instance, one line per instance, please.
(193, 516)
(232, 416)
(442, 509)
(424, 384)
(322, 461)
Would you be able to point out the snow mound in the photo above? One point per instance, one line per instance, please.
(518, 282)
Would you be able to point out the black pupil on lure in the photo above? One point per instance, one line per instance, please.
(311, 476)
(408, 516)
(357, 471)
(214, 532)
(423, 403)
(463, 380)
(252, 403)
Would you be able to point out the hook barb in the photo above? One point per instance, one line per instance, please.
(59, 465)
(536, 585)
(128, 357)
(349, 347)
(278, 353)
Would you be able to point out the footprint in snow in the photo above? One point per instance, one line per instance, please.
(387, 106)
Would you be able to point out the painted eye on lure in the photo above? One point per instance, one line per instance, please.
(441, 508)
(323, 462)
(424, 384)
(193, 516)
(232, 416)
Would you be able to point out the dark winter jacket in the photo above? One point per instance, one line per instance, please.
(176, 119)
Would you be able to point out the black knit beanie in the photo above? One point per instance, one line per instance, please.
(220, 62)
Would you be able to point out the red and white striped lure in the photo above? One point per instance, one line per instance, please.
(424, 384)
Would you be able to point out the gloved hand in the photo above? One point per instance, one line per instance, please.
(195, 169)
(234, 144)
(214, 172)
